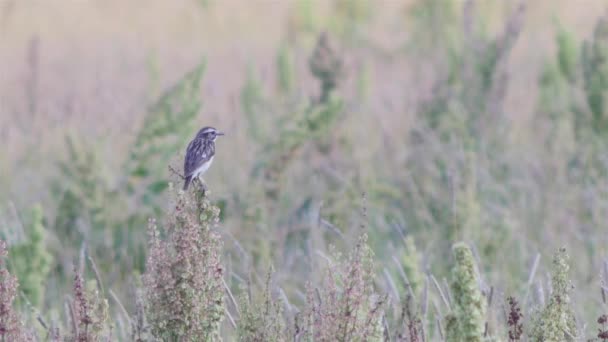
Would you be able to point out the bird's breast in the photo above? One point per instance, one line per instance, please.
(204, 167)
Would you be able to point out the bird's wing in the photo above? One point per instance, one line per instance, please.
(199, 151)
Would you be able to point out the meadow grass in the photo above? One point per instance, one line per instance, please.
(386, 175)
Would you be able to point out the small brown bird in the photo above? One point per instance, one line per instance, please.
(199, 154)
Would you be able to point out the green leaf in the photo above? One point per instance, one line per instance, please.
(158, 186)
(567, 54)
(140, 171)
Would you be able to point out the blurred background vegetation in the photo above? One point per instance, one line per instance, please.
(421, 122)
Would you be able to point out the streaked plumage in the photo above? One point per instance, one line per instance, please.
(199, 154)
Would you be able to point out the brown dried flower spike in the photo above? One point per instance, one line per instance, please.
(515, 325)
(326, 65)
(603, 332)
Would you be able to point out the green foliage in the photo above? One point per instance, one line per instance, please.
(83, 191)
(303, 21)
(572, 97)
(558, 102)
(252, 102)
(261, 319)
(467, 211)
(165, 131)
(470, 88)
(467, 321)
(462, 127)
(443, 16)
(363, 82)
(310, 126)
(285, 70)
(350, 16)
(577, 68)
(88, 209)
(411, 261)
(567, 54)
(205, 4)
(153, 73)
(452, 330)
(301, 126)
(30, 261)
(556, 322)
(595, 75)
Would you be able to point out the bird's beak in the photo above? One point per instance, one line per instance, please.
(219, 133)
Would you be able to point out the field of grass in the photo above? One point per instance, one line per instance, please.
(414, 170)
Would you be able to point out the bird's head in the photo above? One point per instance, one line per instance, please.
(208, 133)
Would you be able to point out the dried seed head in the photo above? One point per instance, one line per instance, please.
(326, 65)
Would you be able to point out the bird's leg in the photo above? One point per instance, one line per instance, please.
(202, 184)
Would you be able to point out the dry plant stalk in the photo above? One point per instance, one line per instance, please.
(183, 282)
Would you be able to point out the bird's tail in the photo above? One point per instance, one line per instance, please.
(187, 182)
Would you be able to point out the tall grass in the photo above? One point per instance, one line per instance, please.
(367, 189)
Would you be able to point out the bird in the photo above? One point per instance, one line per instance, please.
(199, 154)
